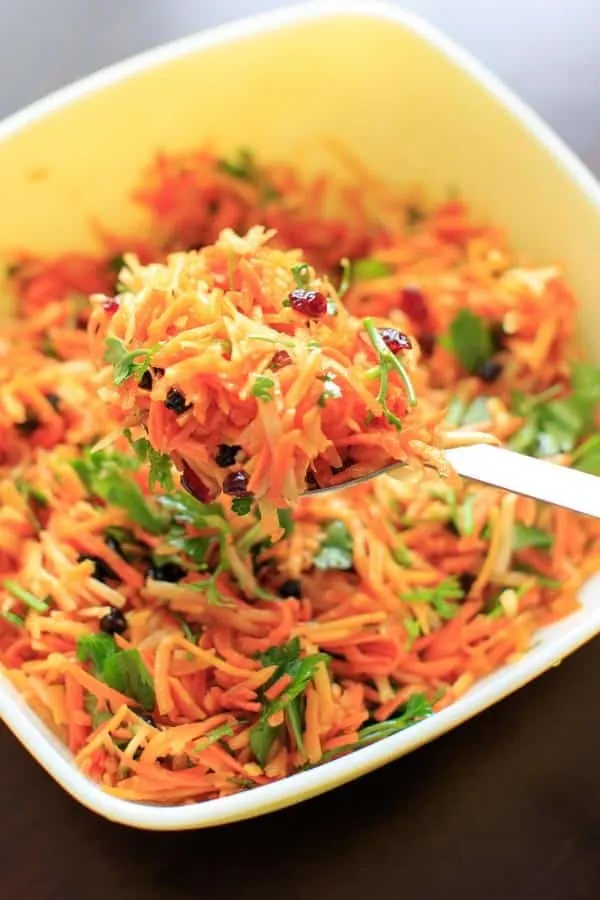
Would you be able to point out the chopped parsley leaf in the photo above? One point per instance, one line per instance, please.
(370, 267)
(439, 597)
(241, 506)
(525, 536)
(263, 388)
(336, 548)
(123, 670)
(469, 340)
(127, 363)
(107, 475)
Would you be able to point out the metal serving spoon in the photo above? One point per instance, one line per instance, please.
(513, 472)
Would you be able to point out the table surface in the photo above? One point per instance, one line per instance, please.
(507, 805)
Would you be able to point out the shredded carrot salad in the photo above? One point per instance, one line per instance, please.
(178, 652)
(243, 366)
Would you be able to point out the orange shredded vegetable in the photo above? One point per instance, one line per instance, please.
(179, 653)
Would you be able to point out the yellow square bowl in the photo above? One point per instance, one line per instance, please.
(410, 104)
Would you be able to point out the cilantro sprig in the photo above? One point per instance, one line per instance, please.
(525, 536)
(108, 476)
(127, 363)
(301, 670)
(335, 551)
(262, 388)
(123, 670)
(556, 425)
(441, 597)
(416, 709)
(161, 467)
(470, 340)
(301, 273)
(388, 363)
(243, 166)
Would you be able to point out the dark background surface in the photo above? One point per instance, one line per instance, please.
(507, 806)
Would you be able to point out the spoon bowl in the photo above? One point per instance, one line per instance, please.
(510, 471)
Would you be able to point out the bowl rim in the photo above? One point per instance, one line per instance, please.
(579, 627)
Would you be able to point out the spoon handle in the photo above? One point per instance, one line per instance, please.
(530, 477)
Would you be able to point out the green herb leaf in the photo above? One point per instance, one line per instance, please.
(96, 649)
(285, 518)
(161, 467)
(26, 597)
(244, 167)
(469, 340)
(262, 737)
(402, 555)
(464, 516)
(587, 456)
(116, 263)
(387, 363)
(12, 618)
(301, 273)
(241, 506)
(554, 426)
(211, 737)
(126, 672)
(107, 475)
(98, 717)
(370, 267)
(541, 579)
(286, 658)
(302, 671)
(417, 709)
(525, 536)
(336, 548)
(127, 363)
(331, 389)
(460, 414)
(48, 348)
(413, 631)
(263, 388)
(346, 279)
(439, 597)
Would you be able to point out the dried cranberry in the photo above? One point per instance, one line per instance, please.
(194, 485)
(30, 425)
(466, 582)
(291, 588)
(280, 360)
(168, 571)
(395, 340)
(311, 480)
(113, 544)
(53, 400)
(308, 303)
(145, 382)
(489, 371)
(498, 336)
(102, 571)
(427, 343)
(226, 454)
(236, 484)
(176, 401)
(114, 622)
(412, 301)
(110, 305)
